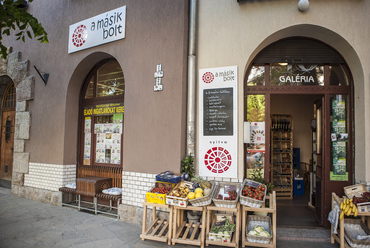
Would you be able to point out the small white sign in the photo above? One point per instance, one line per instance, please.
(98, 30)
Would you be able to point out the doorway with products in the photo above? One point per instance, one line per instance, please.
(304, 110)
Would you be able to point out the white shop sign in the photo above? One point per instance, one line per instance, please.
(97, 30)
(218, 122)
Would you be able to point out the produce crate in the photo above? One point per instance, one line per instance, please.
(363, 207)
(171, 177)
(265, 222)
(178, 201)
(204, 200)
(156, 197)
(354, 228)
(248, 201)
(226, 203)
(226, 238)
(355, 190)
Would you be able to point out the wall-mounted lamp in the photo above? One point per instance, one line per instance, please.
(44, 76)
(303, 5)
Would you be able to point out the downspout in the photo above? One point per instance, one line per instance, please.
(191, 101)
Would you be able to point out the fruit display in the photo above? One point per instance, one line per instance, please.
(200, 188)
(161, 190)
(181, 191)
(254, 192)
(364, 198)
(232, 196)
(347, 207)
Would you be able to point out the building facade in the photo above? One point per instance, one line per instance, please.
(287, 57)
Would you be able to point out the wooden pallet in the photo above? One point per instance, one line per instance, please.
(158, 229)
(182, 229)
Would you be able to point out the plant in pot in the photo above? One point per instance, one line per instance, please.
(187, 166)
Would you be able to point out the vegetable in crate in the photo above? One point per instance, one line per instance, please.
(259, 231)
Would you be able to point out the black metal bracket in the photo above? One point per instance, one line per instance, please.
(44, 76)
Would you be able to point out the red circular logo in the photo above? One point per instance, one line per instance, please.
(217, 160)
(208, 77)
(79, 36)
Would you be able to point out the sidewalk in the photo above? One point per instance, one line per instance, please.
(25, 223)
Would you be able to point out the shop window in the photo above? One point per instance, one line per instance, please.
(337, 75)
(110, 80)
(102, 116)
(256, 76)
(296, 74)
(254, 134)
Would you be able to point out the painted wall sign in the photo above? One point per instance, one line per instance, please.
(218, 122)
(97, 30)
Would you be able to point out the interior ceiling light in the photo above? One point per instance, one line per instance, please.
(303, 5)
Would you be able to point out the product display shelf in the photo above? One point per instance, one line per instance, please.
(339, 237)
(158, 229)
(191, 233)
(282, 155)
(268, 210)
(211, 209)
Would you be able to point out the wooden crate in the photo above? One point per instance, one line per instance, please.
(90, 186)
(355, 190)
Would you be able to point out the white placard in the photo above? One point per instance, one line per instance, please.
(97, 30)
(218, 122)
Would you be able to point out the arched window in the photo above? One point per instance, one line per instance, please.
(102, 114)
(9, 97)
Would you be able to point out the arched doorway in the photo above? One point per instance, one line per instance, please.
(101, 122)
(7, 134)
(278, 80)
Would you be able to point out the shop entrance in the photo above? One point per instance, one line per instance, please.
(7, 135)
(297, 126)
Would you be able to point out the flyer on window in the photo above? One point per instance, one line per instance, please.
(98, 128)
(115, 158)
(100, 157)
(117, 128)
(87, 124)
(117, 118)
(87, 139)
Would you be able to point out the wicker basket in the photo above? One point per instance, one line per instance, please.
(226, 203)
(354, 228)
(250, 202)
(265, 222)
(204, 200)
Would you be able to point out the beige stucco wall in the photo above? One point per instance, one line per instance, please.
(155, 125)
(232, 33)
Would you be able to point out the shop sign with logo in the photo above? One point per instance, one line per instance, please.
(97, 30)
(218, 122)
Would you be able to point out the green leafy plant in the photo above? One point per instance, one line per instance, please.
(257, 177)
(14, 17)
(187, 166)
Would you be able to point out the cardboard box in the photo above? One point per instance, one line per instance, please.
(355, 190)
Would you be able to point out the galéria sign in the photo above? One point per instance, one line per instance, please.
(297, 79)
(98, 30)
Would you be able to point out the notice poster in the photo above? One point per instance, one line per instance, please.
(108, 128)
(116, 138)
(98, 128)
(117, 128)
(257, 132)
(87, 139)
(115, 158)
(339, 156)
(87, 125)
(218, 122)
(117, 118)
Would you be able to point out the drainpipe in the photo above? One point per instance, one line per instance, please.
(191, 101)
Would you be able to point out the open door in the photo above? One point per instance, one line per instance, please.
(318, 161)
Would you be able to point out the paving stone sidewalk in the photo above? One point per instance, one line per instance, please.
(25, 223)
